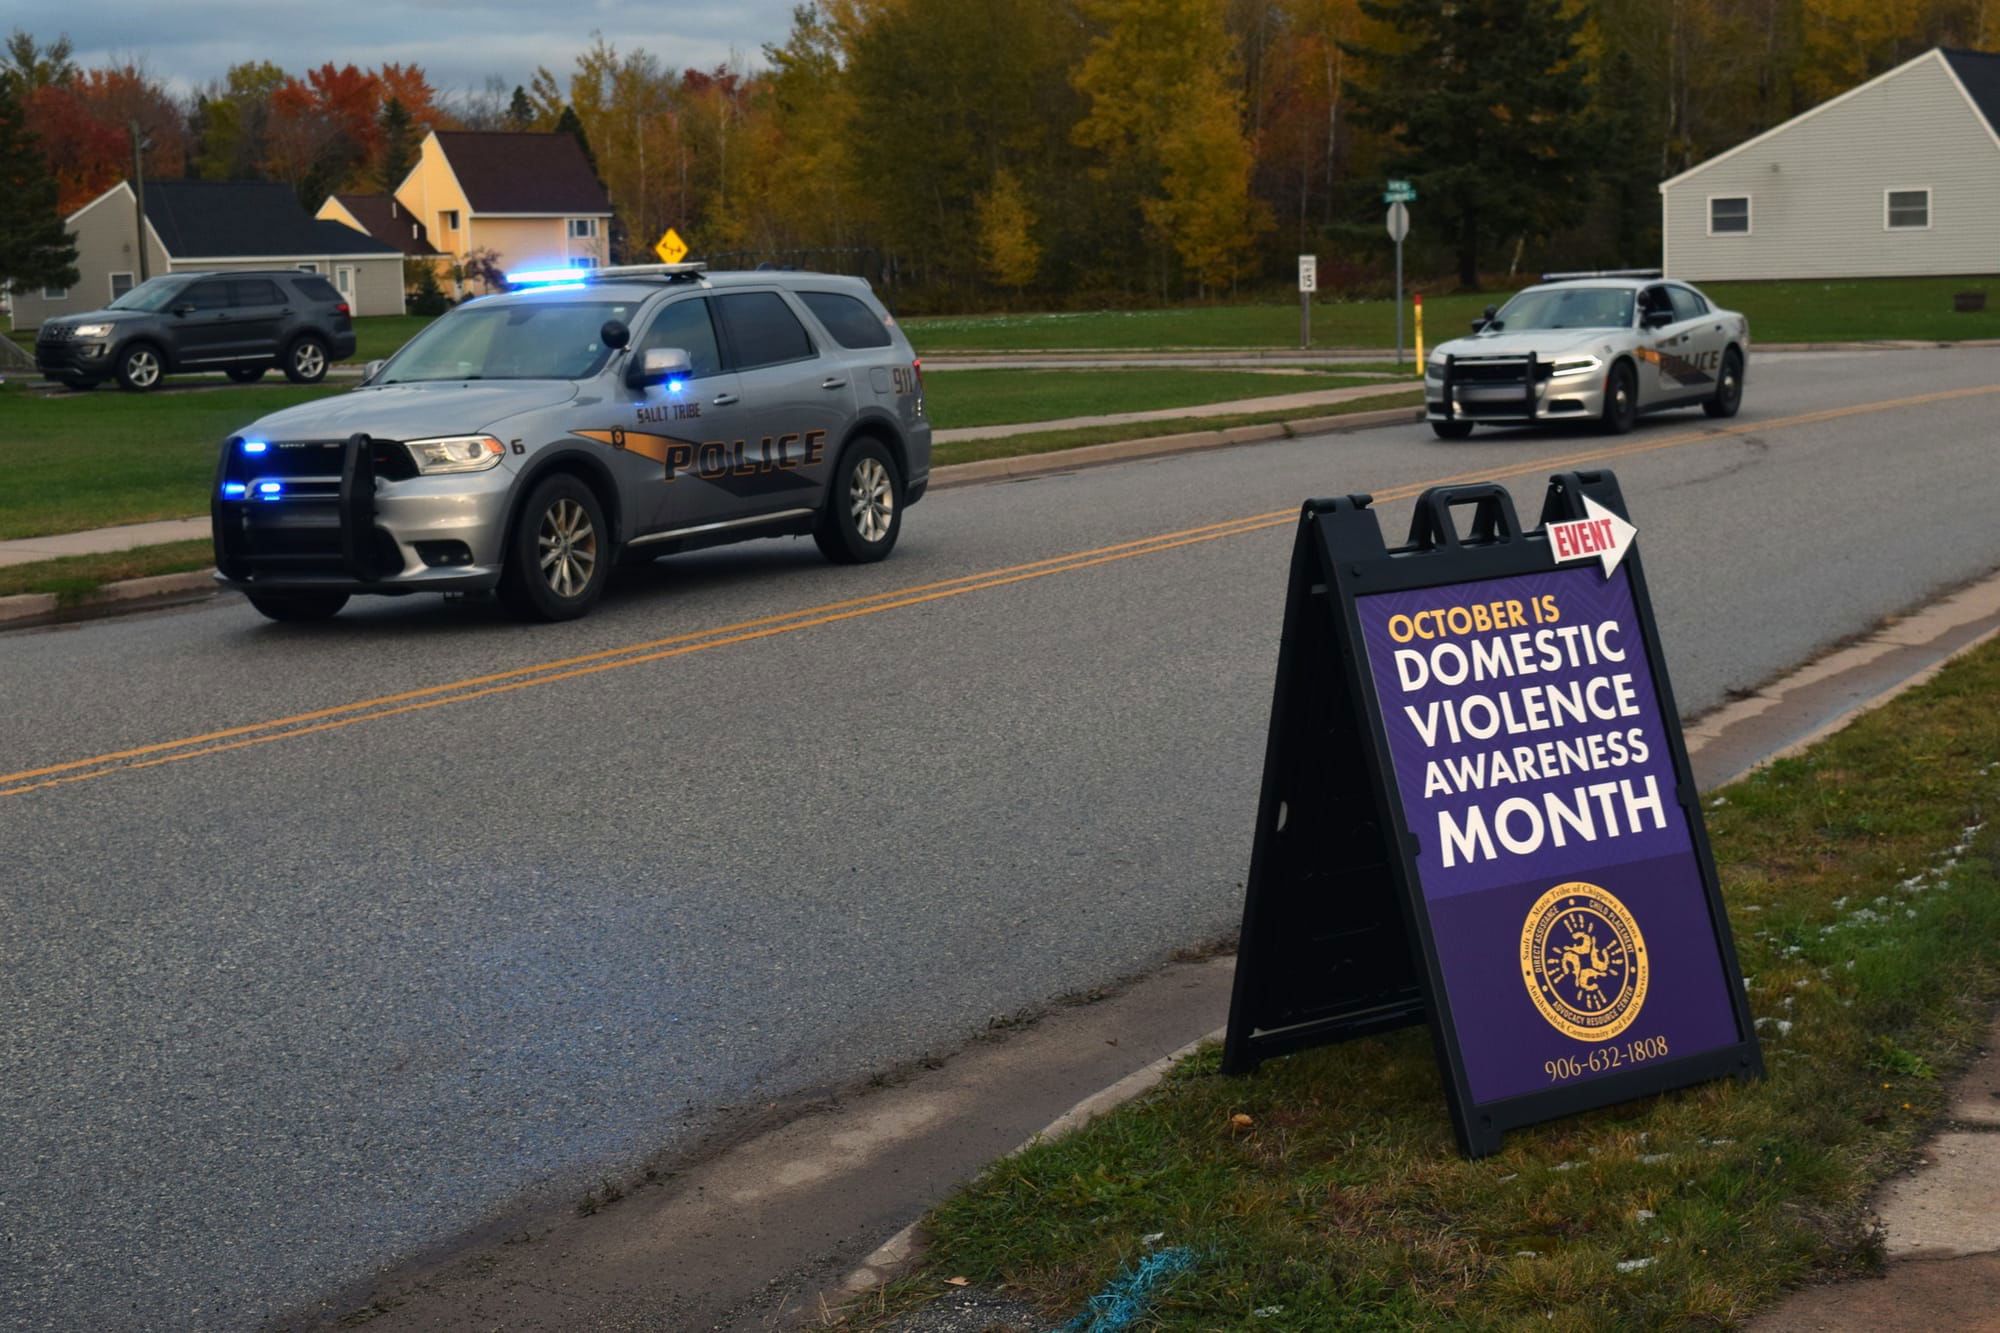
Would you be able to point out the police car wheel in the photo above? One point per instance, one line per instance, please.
(1728, 388)
(305, 361)
(1621, 400)
(864, 510)
(1452, 430)
(140, 368)
(559, 555)
(299, 605)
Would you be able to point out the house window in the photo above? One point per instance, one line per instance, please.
(583, 261)
(1906, 210)
(582, 229)
(55, 293)
(1729, 215)
(450, 219)
(121, 283)
(309, 268)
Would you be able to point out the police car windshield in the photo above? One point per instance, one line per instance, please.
(530, 340)
(153, 294)
(1569, 308)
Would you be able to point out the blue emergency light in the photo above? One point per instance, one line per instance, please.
(547, 277)
(270, 490)
(233, 490)
(255, 446)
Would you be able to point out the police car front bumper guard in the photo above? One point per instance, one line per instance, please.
(1508, 389)
(305, 511)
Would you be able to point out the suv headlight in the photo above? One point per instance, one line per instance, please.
(90, 331)
(455, 453)
(1575, 366)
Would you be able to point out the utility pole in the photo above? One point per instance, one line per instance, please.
(138, 197)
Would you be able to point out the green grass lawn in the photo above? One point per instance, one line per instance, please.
(376, 337)
(1803, 311)
(1326, 1190)
(961, 398)
(89, 460)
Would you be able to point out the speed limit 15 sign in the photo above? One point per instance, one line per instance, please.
(1308, 273)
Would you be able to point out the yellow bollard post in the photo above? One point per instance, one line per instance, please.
(1419, 298)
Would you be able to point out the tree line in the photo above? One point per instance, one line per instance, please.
(974, 153)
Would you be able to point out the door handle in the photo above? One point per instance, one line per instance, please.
(833, 382)
(724, 399)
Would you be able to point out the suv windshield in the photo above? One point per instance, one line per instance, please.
(152, 294)
(1569, 308)
(539, 340)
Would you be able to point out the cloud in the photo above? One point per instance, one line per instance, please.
(192, 42)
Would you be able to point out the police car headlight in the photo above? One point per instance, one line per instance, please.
(90, 331)
(1582, 366)
(1434, 366)
(455, 453)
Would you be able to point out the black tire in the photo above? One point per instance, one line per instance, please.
(864, 506)
(140, 367)
(559, 553)
(247, 374)
(75, 384)
(305, 360)
(1452, 430)
(299, 605)
(1621, 400)
(1728, 387)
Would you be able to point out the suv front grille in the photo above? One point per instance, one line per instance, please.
(318, 458)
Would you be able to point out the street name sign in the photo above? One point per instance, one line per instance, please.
(1477, 813)
(670, 247)
(1399, 192)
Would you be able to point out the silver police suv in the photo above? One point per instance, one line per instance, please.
(1600, 347)
(525, 442)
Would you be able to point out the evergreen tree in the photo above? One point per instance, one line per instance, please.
(35, 250)
(425, 296)
(570, 123)
(399, 145)
(1485, 101)
(520, 111)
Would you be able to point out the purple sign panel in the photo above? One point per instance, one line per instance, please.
(1556, 866)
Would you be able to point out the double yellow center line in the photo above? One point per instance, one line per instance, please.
(746, 631)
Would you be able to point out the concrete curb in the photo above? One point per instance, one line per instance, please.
(33, 609)
(159, 590)
(895, 1253)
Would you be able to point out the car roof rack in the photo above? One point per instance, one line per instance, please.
(1606, 273)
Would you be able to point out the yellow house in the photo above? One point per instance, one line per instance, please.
(530, 199)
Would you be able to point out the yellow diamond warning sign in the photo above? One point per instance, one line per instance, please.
(670, 248)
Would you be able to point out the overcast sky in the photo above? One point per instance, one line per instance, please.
(185, 43)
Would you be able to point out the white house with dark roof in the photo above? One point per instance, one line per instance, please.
(212, 225)
(1899, 176)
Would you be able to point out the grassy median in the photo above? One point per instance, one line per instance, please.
(1326, 1192)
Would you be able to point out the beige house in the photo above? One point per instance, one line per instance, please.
(211, 226)
(531, 199)
(1898, 176)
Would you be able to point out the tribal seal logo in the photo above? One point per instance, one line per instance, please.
(1584, 962)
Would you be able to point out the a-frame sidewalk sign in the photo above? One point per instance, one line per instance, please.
(1478, 813)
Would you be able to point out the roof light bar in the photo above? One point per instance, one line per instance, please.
(1607, 273)
(576, 277)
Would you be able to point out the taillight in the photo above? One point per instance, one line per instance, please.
(918, 366)
(341, 309)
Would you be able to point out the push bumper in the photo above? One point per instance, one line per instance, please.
(1511, 390)
(284, 520)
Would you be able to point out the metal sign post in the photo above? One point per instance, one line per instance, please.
(1478, 813)
(1399, 227)
(1308, 284)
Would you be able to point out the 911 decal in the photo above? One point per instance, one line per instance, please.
(717, 458)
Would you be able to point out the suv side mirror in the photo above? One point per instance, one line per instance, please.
(184, 308)
(657, 365)
(1657, 319)
(371, 370)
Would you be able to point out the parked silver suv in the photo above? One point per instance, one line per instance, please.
(527, 441)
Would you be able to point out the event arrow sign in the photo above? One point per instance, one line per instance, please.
(1601, 534)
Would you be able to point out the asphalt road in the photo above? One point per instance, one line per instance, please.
(285, 1004)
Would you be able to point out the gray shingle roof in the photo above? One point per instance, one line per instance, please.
(506, 172)
(1979, 71)
(245, 219)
